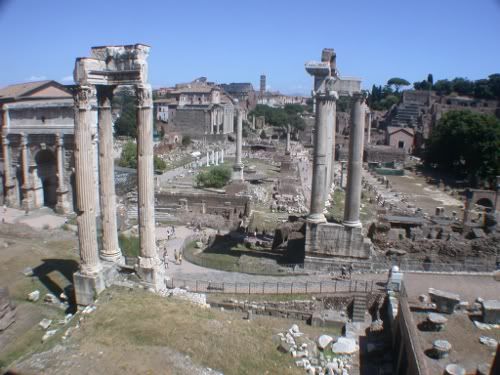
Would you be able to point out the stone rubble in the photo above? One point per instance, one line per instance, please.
(488, 341)
(45, 323)
(34, 296)
(310, 355)
(199, 299)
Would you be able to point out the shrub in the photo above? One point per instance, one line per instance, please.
(215, 177)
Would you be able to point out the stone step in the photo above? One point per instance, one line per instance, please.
(359, 308)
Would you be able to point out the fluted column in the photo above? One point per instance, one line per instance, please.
(368, 125)
(85, 183)
(333, 126)
(238, 165)
(10, 187)
(355, 163)
(62, 206)
(145, 175)
(324, 110)
(27, 201)
(110, 248)
(287, 147)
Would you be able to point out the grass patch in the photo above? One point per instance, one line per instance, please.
(129, 245)
(212, 338)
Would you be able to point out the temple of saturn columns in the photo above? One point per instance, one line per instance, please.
(323, 240)
(107, 68)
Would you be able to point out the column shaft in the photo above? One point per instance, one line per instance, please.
(355, 163)
(332, 145)
(85, 183)
(62, 205)
(110, 248)
(10, 194)
(238, 165)
(324, 110)
(26, 188)
(145, 174)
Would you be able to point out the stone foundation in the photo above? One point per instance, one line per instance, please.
(88, 287)
(336, 242)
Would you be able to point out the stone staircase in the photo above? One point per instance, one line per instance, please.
(406, 115)
(359, 308)
(161, 214)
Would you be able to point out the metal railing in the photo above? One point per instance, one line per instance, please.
(309, 287)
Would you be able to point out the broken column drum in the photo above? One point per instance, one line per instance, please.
(355, 163)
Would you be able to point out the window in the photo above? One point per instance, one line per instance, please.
(401, 144)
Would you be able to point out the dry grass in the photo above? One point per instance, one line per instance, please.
(220, 340)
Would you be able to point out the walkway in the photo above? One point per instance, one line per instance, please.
(41, 218)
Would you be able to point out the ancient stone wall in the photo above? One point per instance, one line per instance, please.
(193, 122)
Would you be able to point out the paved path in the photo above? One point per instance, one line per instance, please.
(42, 218)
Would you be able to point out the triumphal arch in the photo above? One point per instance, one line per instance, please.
(99, 75)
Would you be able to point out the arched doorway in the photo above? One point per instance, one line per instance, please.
(47, 173)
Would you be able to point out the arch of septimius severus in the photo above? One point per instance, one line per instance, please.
(107, 68)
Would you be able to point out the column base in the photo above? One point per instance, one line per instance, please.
(113, 257)
(238, 172)
(89, 286)
(316, 218)
(352, 224)
(151, 272)
(63, 206)
(11, 198)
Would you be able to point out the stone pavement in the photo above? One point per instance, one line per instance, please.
(43, 218)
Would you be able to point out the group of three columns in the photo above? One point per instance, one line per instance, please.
(90, 263)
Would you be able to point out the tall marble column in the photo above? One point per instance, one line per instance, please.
(208, 159)
(148, 259)
(287, 147)
(9, 187)
(62, 206)
(85, 183)
(368, 125)
(27, 201)
(333, 126)
(110, 248)
(355, 163)
(324, 110)
(222, 155)
(216, 157)
(238, 165)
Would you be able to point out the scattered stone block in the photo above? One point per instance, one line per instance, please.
(488, 341)
(436, 322)
(49, 334)
(45, 323)
(491, 312)
(28, 272)
(445, 301)
(324, 341)
(50, 298)
(345, 345)
(34, 296)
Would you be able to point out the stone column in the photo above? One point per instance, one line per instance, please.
(208, 159)
(287, 147)
(27, 202)
(216, 157)
(222, 155)
(324, 109)
(332, 145)
(85, 183)
(253, 122)
(110, 248)
(355, 163)
(238, 165)
(62, 206)
(10, 188)
(369, 125)
(148, 260)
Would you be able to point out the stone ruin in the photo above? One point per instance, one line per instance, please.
(100, 74)
(7, 310)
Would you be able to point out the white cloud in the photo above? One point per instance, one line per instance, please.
(36, 78)
(67, 79)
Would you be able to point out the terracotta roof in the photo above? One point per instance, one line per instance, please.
(395, 129)
(24, 89)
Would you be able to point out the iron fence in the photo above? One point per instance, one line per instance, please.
(309, 287)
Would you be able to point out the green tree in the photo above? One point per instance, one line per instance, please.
(430, 79)
(397, 83)
(126, 124)
(467, 144)
(215, 177)
(186, 140)
(443, 87)
(463, 86)
(128, 158)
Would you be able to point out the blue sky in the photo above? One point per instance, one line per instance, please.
(236, 41)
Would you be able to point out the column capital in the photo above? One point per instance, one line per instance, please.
(144, 96)
(359, 96)
(59, 140)
(104, 95)
(82, 96)
(24, 139)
